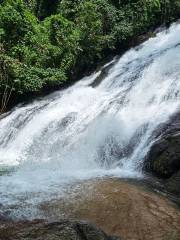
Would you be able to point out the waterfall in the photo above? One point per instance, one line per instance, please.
(100, 126)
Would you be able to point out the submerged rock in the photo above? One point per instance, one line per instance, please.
(62, 230)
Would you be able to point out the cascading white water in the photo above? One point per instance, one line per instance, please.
(88, 131)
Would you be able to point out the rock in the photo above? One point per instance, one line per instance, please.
(173, 184)
(61, 230)
(3, 218)
(163, 159)
(129, 210)
(103, 74)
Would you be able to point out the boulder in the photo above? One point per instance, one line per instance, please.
(163, 159)
(173, 184)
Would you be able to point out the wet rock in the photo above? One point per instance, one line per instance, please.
(173, 184)
(163, 159)
(131, 211)
(62, 230)
(103, 74)
(3, 218)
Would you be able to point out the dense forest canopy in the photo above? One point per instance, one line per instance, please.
(45, 43)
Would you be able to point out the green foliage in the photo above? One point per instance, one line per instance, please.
(15, 21)
(43, 43)
(92, 38)
(64, 42)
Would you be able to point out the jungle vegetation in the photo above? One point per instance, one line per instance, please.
(46, 43)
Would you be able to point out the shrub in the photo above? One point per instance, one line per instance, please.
(45, 43)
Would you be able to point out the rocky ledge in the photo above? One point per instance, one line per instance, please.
(61, 230)
(126, 209)
(163, 159)
(131, 211)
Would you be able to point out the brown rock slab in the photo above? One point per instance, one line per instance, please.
(121, 209)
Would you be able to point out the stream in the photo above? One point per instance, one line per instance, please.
(91, 130)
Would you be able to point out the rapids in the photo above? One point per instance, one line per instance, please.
(90, 130)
